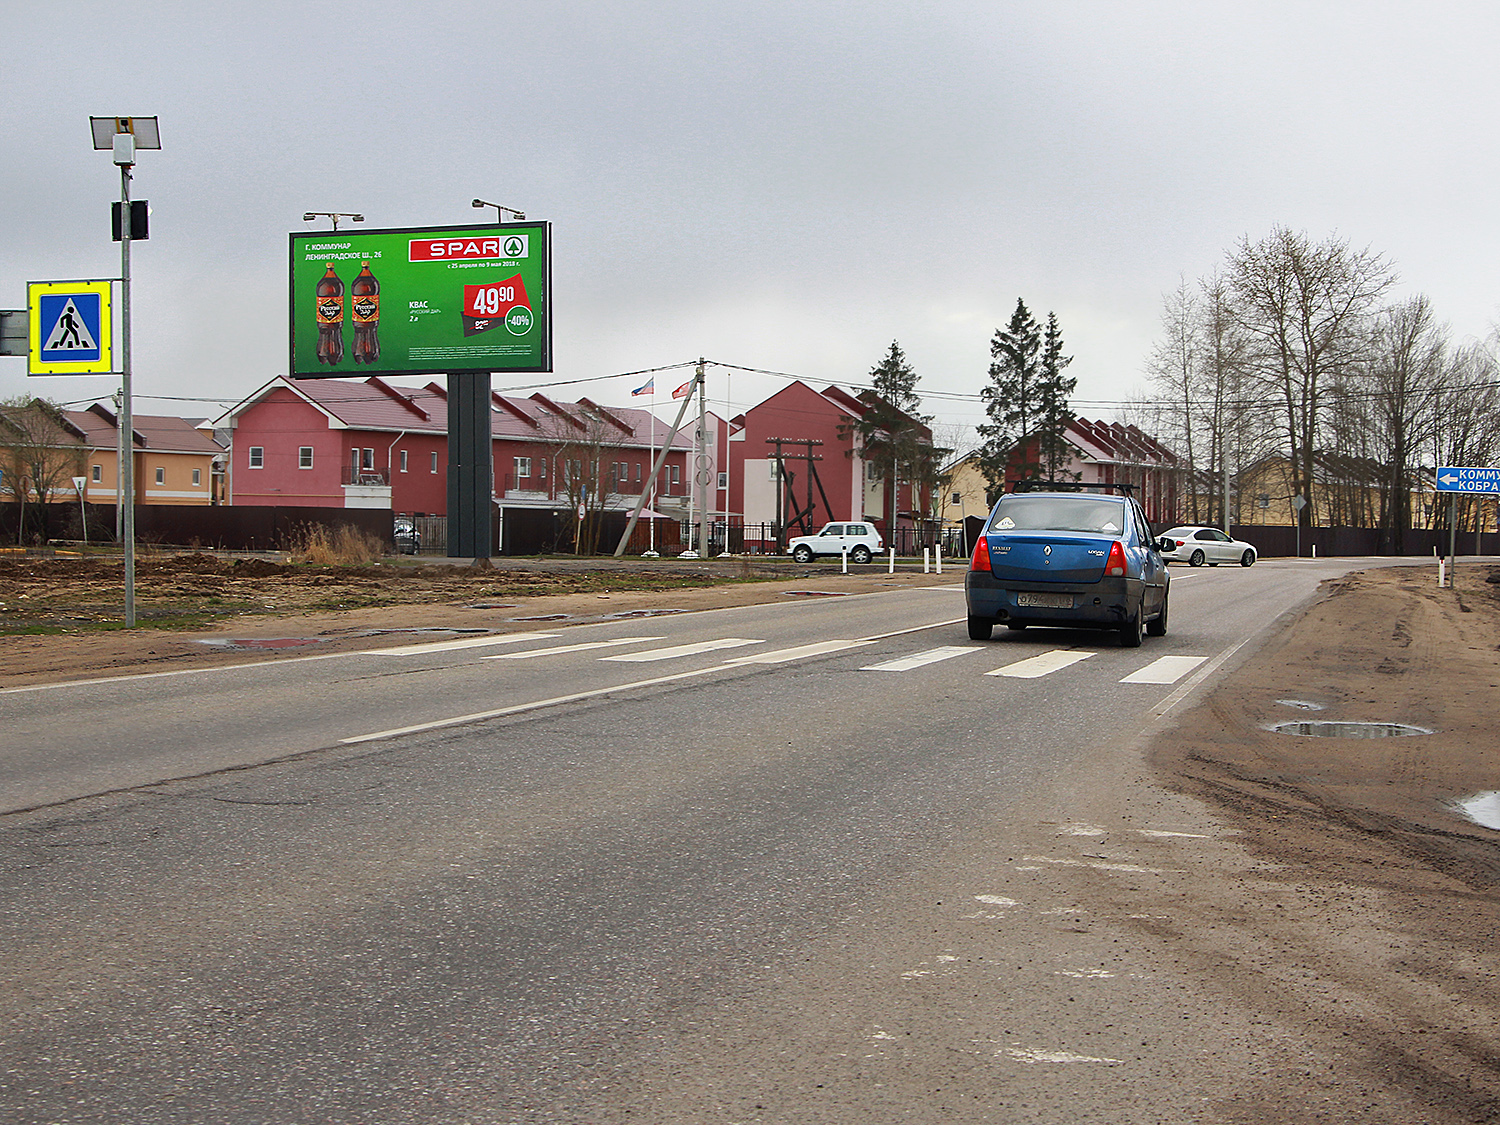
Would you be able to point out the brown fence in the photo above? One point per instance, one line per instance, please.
(220, 527)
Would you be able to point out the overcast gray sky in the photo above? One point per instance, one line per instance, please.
(787, 186)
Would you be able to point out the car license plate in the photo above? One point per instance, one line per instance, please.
(1046, 601)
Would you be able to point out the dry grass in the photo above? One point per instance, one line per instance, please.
(341, 546)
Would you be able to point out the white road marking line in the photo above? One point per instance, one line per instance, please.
(1029, 1055)
(1158, 834)
(453, 646)
(1169, 704)
(584, 647)
(537, 704)
(919, 660)
(1164, 670)
(681, 650)
(1044, 664)
(783, 655)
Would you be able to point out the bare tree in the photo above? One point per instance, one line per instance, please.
(40, 453)
(1467, 409)
(581, 436)
(1405, 376)
(1306, 309)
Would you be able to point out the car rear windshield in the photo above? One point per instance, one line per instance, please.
(1100, 514)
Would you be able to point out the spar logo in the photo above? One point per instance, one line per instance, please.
(483, 248)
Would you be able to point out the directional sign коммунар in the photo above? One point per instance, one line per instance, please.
(1459, 478)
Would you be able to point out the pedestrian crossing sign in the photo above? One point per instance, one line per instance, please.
(70, 329)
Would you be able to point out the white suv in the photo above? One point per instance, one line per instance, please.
(861, 540)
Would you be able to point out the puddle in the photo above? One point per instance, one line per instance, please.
(544, 617)
(267, 643)
(817, 593)
(640, 613)
(1482, 808)
(1326, 728)
(491, 605)
(1301, 704)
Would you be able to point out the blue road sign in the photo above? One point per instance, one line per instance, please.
(1456, 478)
(70, 327)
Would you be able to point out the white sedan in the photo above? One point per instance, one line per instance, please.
(1198, 545)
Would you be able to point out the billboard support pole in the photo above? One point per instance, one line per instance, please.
(470, 466)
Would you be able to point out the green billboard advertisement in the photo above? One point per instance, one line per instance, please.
(422, 300)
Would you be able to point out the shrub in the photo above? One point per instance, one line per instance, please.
(339, 546)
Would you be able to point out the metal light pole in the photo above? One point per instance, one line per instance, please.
(123, 135)
(334, 215)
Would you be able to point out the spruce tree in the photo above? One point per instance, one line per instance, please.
(1012, 401)
(890, 430)
(1054, 389)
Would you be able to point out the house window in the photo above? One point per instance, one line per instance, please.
(674, 477)
(958, 498)
(541, 468)
(368, 461)
(403, 460)
(723, 481)
(637, 472)
(523, 467)
(197, 476)
(257, 457)
(1263, 501)
(161, 475)
(304, 457)
(434, 462)
(96, 473)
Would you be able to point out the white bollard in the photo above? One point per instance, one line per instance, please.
(1440, 572)
(892, 569)
(926, 562)
(845, 554)
(939, 554)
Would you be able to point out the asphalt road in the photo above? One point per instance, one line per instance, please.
(694, 867)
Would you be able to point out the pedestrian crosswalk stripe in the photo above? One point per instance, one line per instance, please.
(781, 656)
(452, 646)
(681, 650)
(529, 653)
(1164, 670)
(918, 660)
(1041, 665)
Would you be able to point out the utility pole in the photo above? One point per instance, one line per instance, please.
(701, 472)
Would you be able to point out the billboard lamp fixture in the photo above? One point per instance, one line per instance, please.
(501, 211)
(334, 215)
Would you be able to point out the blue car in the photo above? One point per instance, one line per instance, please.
(1080, 560)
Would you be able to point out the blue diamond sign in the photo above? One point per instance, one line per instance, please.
(70, 329)
(1470, 479)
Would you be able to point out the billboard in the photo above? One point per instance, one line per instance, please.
(421, 300)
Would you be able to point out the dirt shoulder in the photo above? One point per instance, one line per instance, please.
(198, 610)
(1367, 917)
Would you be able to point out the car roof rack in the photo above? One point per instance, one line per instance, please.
(1068, 486)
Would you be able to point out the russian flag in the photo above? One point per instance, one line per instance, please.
(682, 390)
(646, 388)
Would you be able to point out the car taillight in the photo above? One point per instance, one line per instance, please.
(1115, 567)
(981, 560)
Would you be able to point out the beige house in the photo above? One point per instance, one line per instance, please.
(174, 462)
